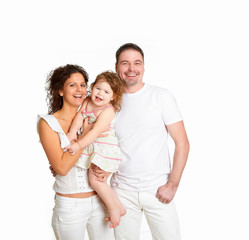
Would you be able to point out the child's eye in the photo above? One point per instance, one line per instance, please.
(71, 85)
(106, 92)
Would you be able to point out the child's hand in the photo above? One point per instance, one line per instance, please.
(71, 136)
(72, 149)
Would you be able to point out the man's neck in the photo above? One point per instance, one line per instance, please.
(133, 89)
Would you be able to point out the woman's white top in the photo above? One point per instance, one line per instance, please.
(76, 180)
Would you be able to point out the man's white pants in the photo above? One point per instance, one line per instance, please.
(72, 216)
(162, 218)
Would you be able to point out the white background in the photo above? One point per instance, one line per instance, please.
(197, 49)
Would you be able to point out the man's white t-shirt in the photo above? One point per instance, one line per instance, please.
(142, 136)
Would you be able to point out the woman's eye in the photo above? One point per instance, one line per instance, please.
(83, 85)
(106, 92)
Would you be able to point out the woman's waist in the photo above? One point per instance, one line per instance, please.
(76, 181)
(77, 195)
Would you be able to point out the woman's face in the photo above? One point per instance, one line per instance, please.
(74, 90)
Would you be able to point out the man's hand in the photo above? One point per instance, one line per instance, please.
(54, 173)
(166, 193)
(100, 174)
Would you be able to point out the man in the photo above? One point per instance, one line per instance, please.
(145, 181)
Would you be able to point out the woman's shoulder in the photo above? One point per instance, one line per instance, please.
(50, 120)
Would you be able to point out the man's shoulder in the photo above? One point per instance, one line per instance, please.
(158, 89)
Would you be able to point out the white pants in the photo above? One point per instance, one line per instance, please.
(71, 217)
(162, 218)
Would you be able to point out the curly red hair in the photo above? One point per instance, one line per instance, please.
(116, 85)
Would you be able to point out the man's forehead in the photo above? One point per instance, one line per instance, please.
(130, 55)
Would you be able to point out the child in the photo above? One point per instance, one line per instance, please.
(100, 108)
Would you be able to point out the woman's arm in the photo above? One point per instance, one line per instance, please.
(100, 126)
(60, 161)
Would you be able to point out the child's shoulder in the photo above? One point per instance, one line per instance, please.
(85, 102)
(109, 109)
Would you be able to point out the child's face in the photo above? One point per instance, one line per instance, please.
(102, 93)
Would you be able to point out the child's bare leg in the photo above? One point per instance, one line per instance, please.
(109, 197)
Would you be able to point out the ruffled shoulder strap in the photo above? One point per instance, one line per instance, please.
(54, 124)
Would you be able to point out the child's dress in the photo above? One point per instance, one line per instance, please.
(104, 151)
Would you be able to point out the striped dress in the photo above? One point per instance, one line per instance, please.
(104, 151)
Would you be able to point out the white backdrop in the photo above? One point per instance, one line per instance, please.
(197, 49)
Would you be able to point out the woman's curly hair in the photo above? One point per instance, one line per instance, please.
(55, 82)
(116, 86)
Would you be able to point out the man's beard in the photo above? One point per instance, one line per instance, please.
(131, 83)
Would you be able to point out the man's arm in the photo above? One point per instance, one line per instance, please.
(177, 131)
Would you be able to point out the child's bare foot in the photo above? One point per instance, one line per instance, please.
(115, 215)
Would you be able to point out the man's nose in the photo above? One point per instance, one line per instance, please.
(131, 67)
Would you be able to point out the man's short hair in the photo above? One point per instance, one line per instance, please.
(127, 46)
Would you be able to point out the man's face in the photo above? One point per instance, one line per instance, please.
(130, 68)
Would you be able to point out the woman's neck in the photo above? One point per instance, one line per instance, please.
(67, 114)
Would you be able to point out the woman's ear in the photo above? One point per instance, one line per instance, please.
(61, 93)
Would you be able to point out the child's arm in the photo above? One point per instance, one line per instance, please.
(77, 123)
(103, 121)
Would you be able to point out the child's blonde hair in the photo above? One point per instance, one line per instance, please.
(116, 85)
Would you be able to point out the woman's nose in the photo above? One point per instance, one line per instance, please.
(79, 89)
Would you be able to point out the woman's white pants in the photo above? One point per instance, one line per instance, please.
(161, 218)
(72, 216)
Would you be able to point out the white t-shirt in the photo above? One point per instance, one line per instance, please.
(142, 135)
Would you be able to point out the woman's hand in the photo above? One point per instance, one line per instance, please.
(100, 174)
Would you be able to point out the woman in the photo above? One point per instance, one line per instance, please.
(77, 206)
